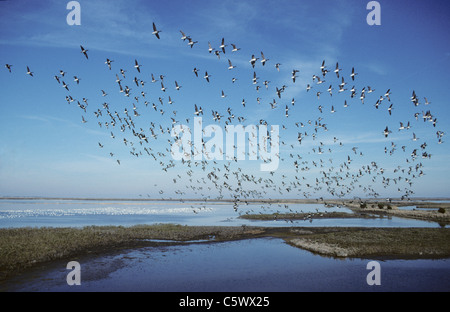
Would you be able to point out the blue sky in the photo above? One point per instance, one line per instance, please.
(47, 151)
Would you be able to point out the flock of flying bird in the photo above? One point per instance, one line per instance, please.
(141, 122)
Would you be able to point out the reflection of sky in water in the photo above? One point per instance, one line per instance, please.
(56, 213)
(264, 264)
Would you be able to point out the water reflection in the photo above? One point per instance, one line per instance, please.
(264, 264)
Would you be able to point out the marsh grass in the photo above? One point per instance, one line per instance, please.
(24, 247)
(387, 243)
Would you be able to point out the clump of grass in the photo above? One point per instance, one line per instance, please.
(363, 205)
(380, 206)
(441, 210)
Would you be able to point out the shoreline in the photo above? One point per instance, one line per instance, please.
(24, 248)
(250, 200)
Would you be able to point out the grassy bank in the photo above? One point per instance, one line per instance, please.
(407, 243)
(24, 247)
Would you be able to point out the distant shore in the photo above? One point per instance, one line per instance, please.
(23, 248)
(398, 201)
(369, 209)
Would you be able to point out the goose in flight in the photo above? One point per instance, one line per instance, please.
(386, 132)
(183, 35)
(29, 72)
(108, 62)
(263, 59)
(294, 72)
(230, 65)
(254, 78)
(156, 31)
(8, 66)
(207, 76)
(388, 92)
(64, 85)
(210, 49)
(177, 87)
(76, 79)
(83, 120)
(217, 52)
(235, 49)
(337, 69)
(137, 66)
(84, 51)
(223, 45)
(353, 74)
(390, 110)
(198, 111)
(253, 60)
(195, 70)
(191, 43)
(277, 66)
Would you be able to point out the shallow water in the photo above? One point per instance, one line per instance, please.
(70, 213)
(265, 264)
(247, 265)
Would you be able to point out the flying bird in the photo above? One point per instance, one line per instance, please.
(156, 31)
(223, 45)
(235, 49)
(183, 35)
(253, 60)
(353, 74)
(230, 65)
(84, 51)
(191, 43)
(263, 59)
(29, 72)
(207, 76)
(108, 62)
(137, 66)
